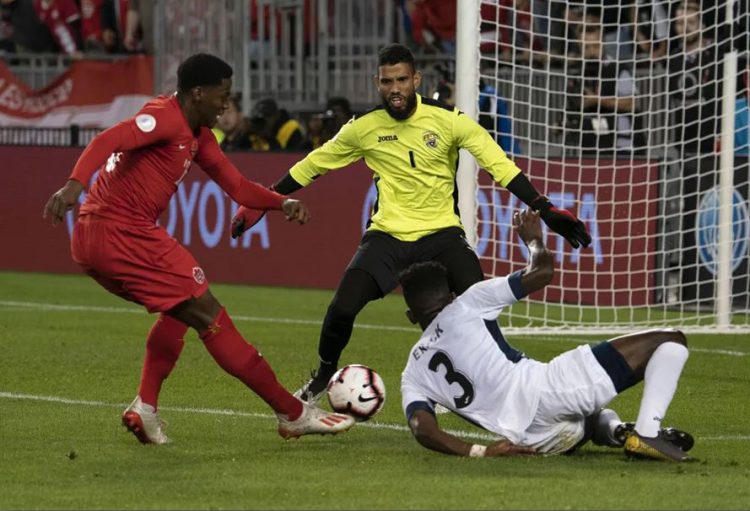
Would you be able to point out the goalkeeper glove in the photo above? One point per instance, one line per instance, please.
(562, 221)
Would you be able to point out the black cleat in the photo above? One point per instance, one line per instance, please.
(681, 439)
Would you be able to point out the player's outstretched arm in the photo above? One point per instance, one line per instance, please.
(492, 158)
(245, 218)
(62, 200)
(214, 162)
(339, 152)
(541, 269)
(425, 429)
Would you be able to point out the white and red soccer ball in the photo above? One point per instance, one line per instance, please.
(356, 390)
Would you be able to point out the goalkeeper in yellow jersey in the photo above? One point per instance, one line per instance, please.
(411, 144)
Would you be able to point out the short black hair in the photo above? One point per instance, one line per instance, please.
(265, 108)
(421, 279)
(201, 70)
(341, 102)
(395, 54)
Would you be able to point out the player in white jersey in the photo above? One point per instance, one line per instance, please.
(463, 362)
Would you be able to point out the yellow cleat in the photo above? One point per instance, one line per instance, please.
(658, 448)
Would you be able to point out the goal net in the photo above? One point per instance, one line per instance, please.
(623, 115)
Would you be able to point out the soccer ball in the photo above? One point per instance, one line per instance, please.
(356, 390)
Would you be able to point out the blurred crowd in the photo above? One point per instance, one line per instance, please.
(599, 46)
(72, 27)
(271, 128)
(537, 32)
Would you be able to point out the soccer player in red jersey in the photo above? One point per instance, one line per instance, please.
(117, 241)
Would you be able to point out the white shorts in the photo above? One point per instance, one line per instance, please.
(574, 386)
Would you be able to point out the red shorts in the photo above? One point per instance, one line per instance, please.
(141, 264)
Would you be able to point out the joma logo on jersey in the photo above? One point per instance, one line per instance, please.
(387, 138)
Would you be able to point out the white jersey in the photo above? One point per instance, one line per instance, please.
(463, 362)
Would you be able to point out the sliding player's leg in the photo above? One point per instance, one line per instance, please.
(657, 357)
(578, 383)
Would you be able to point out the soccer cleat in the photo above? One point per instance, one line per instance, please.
(676, 437)
(637, 446)
(312, 391)
(142, 420)
(314, 421)
(623, 431)
(681, 439)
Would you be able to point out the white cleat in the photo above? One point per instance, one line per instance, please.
(142, 420)
(306, 396)
(312, 391)
(314, 420)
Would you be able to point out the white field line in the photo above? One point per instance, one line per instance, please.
(255, 415)
(212, 411)
(291, 321)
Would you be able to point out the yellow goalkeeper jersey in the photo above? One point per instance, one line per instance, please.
(414, 162)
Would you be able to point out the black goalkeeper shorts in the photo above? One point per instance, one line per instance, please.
(384, 257)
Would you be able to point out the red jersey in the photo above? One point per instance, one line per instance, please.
(147, 157)
(438, 16)
(91, 22)
(57, 15)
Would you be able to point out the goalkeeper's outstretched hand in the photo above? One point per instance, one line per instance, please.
(244, 219)
(563, 222)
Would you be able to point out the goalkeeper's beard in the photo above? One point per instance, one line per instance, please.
(400, 115)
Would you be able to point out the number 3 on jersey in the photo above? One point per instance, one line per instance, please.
(440, 358)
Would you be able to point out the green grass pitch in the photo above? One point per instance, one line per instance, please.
(71, 357)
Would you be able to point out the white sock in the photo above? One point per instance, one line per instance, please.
(659, 385)
(604, 429)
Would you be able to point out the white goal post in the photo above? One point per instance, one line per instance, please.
(624, 114)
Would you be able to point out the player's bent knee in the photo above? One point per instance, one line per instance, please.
(197, 312)
(679, 337)
(672, 335)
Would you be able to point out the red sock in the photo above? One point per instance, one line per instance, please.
(240, 359)
(163, 346)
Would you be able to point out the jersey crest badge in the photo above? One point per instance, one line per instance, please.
(430, 139)
(198, 275)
